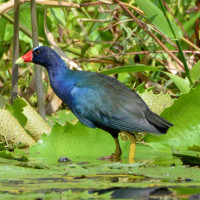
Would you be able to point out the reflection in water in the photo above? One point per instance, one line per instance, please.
(194, 197)
(139, 193)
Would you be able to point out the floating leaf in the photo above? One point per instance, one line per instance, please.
(73, 140)
(190, 160)
(16, 110)
(157, 102)
(28, 118)
(185, 115)
(12, 132)
(36, 125)
(17, 154)
(62, 117)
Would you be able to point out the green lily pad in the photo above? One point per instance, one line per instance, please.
(191, 160)
(185, 115)
(73, 140)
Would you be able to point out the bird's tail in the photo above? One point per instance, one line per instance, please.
(160, 124)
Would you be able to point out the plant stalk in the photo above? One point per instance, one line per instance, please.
(150, 33)
(14, 90)
(38, 68)
(178, 44)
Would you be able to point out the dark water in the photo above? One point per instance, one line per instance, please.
(155, 193)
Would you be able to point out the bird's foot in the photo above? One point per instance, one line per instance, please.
(111, 157)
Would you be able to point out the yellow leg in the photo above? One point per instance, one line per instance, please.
(132, 140)
(118, 151)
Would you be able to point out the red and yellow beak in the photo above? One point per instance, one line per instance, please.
(25, 58)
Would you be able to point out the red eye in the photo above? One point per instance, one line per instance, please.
(37, 52)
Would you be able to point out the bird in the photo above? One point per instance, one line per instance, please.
(98, 100)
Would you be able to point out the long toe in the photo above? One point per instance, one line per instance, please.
(111, 157)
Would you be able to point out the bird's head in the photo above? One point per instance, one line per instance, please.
(41, 55)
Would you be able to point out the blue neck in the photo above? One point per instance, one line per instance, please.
(54, 63)
(61, 78)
